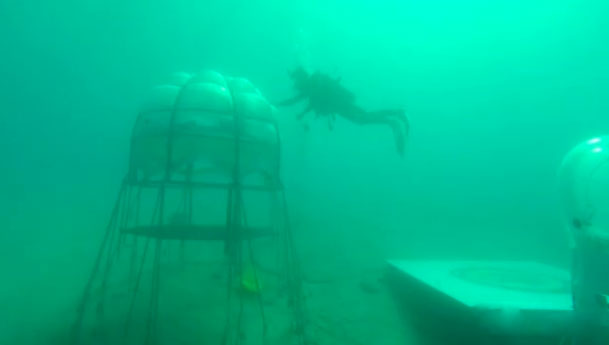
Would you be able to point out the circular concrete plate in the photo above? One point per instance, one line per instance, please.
(513, 279)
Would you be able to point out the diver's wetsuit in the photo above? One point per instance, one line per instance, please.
(327, 97)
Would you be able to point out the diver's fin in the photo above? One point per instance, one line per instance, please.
(397, 120)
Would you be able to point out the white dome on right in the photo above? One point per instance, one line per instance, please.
(584, 185)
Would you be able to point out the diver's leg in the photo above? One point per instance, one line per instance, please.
(400, 137)
(398, 114)
(394, 118)
(358, 116)
(401, 116)
(292, 101)
(398, 121)
(305, 125)
(301, 116)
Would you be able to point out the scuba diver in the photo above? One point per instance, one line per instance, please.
(328, 98)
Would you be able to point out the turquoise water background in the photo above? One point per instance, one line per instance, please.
(496, 92)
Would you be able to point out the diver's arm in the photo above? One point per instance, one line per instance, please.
(293, 100)
(331, 119)
(304, 112)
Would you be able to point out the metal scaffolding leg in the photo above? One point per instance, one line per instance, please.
(106, 242)
(151, 328)
(238, 240)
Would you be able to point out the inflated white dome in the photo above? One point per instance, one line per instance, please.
(199, 113)
(584, 183)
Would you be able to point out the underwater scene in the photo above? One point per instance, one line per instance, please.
(304, 172)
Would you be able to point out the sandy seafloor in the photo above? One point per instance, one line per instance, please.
(347, 302)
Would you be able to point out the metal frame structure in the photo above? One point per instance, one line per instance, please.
(126, 221)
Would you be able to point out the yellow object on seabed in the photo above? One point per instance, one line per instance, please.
(250, 279)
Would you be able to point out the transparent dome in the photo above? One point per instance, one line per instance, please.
(584, 186)
(198, 115)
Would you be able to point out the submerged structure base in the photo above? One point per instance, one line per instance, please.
(480, 302)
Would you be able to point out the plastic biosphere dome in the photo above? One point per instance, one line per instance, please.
(193, 120)
(584, 184)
